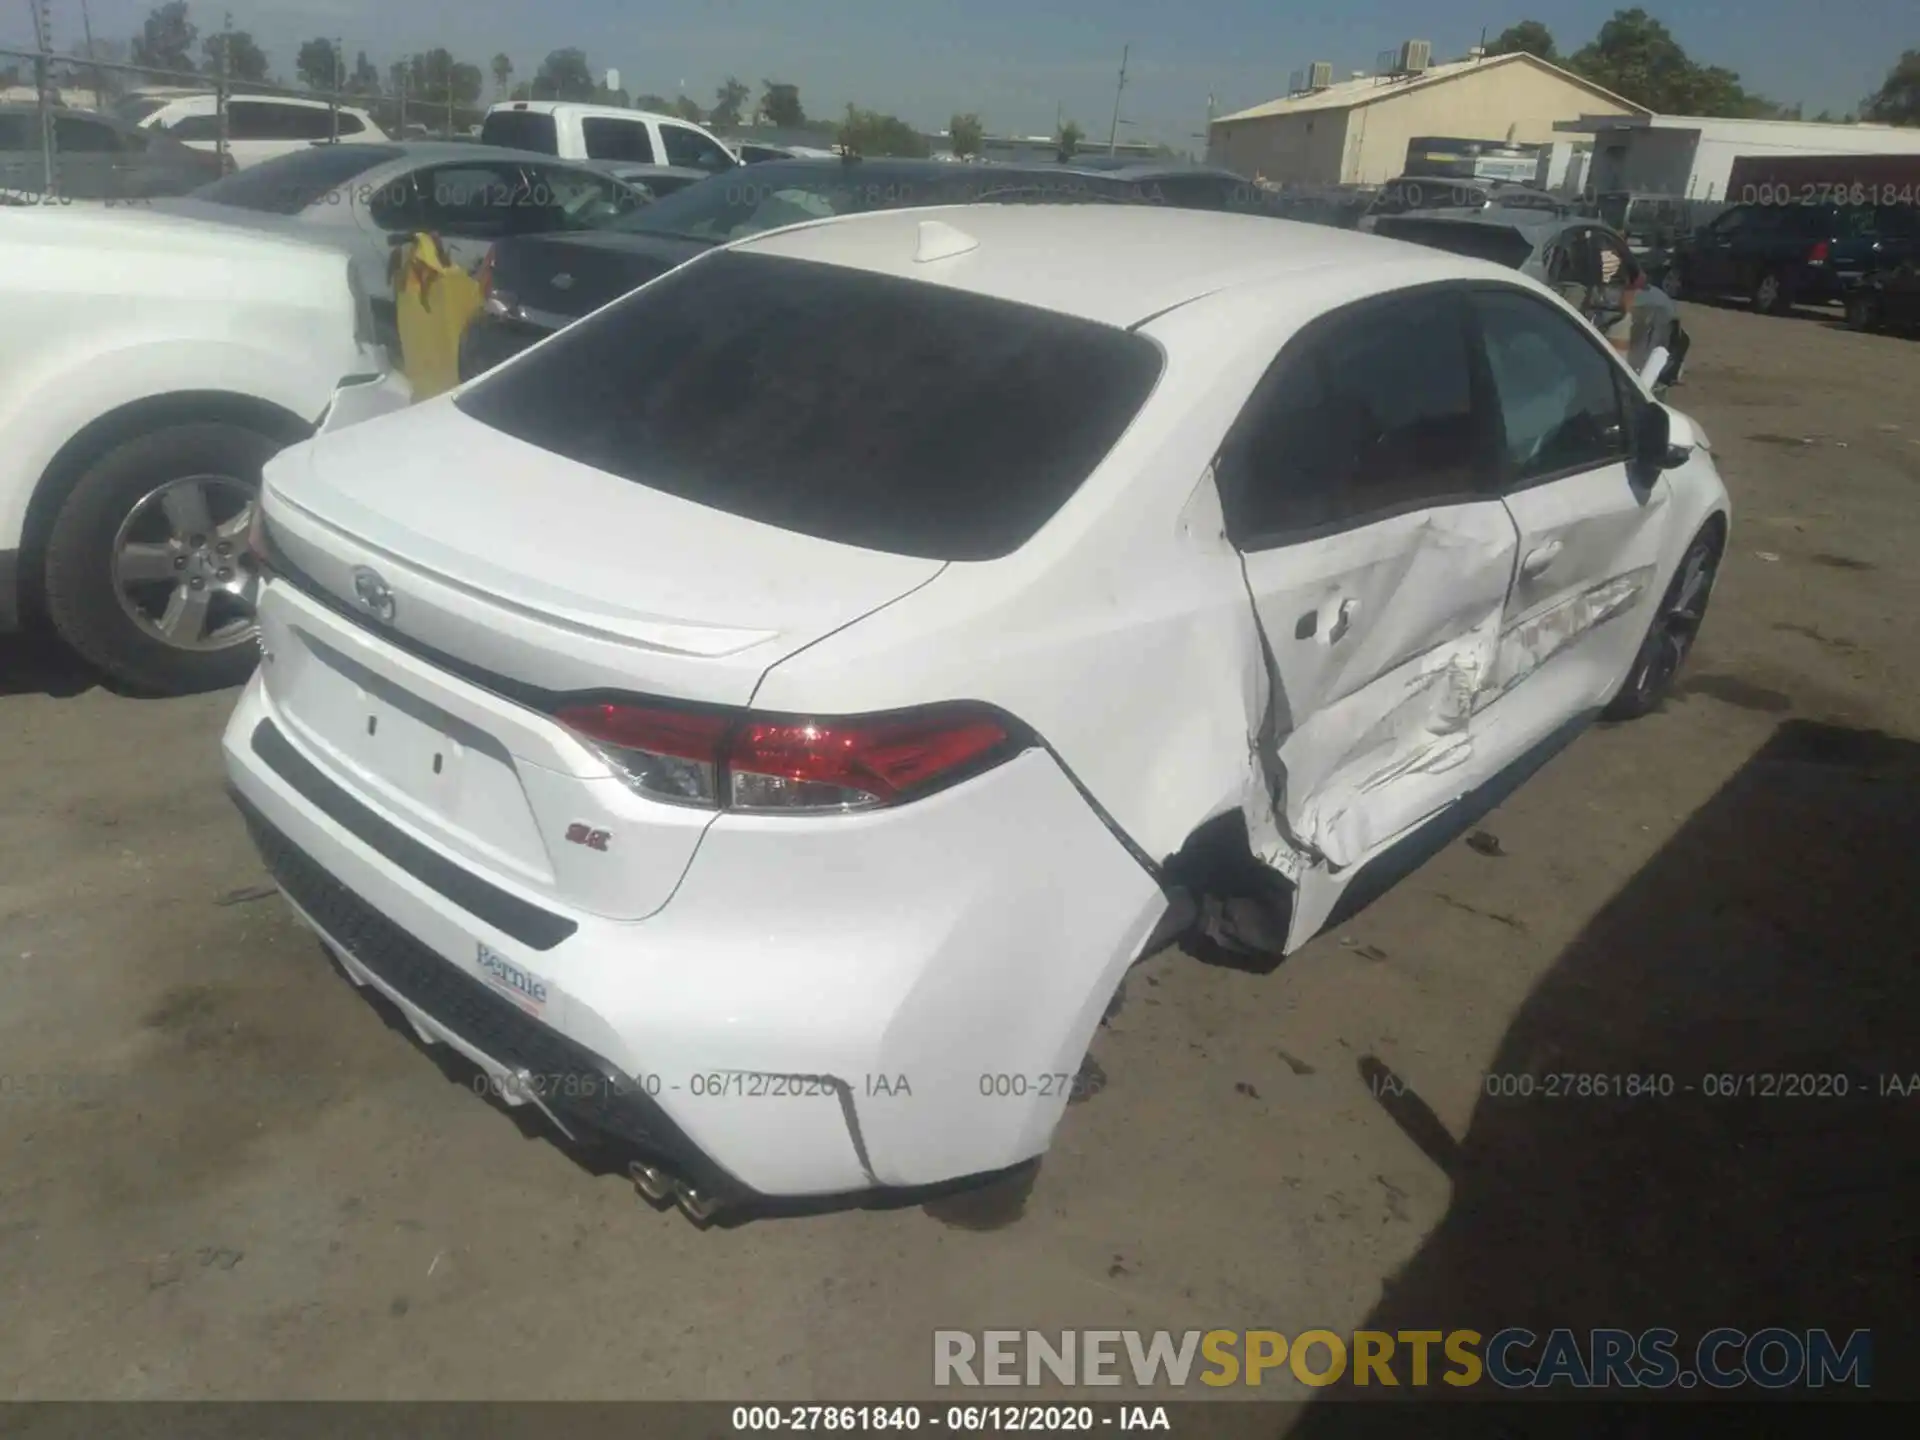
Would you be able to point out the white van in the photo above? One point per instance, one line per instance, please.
(260, 127)
(572, 131)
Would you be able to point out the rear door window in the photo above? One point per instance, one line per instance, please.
(521, 130)
(610, 139)
(1370, 416)
(864, 409)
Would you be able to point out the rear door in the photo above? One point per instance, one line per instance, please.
(1710, 259)
(23, 164)
(88, 157)
(1357, 486)
(1589, 530)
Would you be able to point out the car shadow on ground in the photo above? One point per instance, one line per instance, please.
(35, 664)
(1774, 936)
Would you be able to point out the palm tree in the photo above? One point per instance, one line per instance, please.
(502, 74)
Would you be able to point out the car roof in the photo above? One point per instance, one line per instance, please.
(586, 107)
(205, 100)
(1117, 265)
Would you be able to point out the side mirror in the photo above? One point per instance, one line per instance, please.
(1652, 438)
(1656, 365)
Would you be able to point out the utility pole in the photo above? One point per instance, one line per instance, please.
(99, 88)
(42, 85)
(339, 84)
(1113, 134)
(221, 144)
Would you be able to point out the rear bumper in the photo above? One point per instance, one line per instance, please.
(887, 1000)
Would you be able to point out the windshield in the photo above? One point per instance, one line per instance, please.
(865, 409)
(134, 110)
(767, 196)
(1497, 243)
(289, 184)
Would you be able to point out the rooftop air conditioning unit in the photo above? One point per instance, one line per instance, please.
(1416, 56)
(1296, 82)
(1321, 75)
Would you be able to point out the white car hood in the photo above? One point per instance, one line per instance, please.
(149, 233)
(582, 550)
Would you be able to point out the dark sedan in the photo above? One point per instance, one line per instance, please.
(96, 157)
(537, 283)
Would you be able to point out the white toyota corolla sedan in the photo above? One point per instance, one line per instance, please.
(761, 725)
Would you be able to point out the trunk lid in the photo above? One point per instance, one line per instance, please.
(554, 575)
(442, 585)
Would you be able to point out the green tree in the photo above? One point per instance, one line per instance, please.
(780, 105)
(564, 75)
(964, 134)
(245, 60)
(399, 77)
(867, 132)
(365, 79)
(1897, 101)
(317, 64)
(1068, 140)
(687, 108)
(1529, 37)
(1636, 56)
(434, 74)
(731, 95)
(1827, 117)
(656, 104)
(166, 39)
(502, 74)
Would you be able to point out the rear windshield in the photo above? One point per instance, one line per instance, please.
(520, 130)
(288, 184)
(1477, 242)
(886, 413)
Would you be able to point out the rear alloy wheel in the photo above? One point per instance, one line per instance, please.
(1671, 635)
(146, 563)
(1771, 295)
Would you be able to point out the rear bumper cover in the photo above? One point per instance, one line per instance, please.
(894, 999)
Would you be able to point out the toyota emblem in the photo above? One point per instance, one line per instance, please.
(371, 591)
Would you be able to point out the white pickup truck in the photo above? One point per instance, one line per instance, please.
(149, 366)
(574, 131)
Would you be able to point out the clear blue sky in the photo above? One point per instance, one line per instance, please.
(1015, 61)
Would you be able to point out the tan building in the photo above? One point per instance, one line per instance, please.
(1356, 132)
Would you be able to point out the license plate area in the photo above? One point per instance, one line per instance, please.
(440, 772)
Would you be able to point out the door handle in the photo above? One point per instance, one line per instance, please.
(1342, 621)
(1538, 560)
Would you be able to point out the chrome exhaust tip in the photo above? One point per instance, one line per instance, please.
(699, 1208)
(650, 1180)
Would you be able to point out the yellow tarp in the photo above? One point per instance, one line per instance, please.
(436, 299)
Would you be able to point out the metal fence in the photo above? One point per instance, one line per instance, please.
(68, 84)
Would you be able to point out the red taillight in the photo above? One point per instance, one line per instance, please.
(1818, 254)
(763, 763)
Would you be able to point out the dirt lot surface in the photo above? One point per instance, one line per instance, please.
(226, 1174)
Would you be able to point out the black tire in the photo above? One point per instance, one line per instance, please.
(83, 589)
(1772, 293)
(1863, 311)
(1671, 633)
